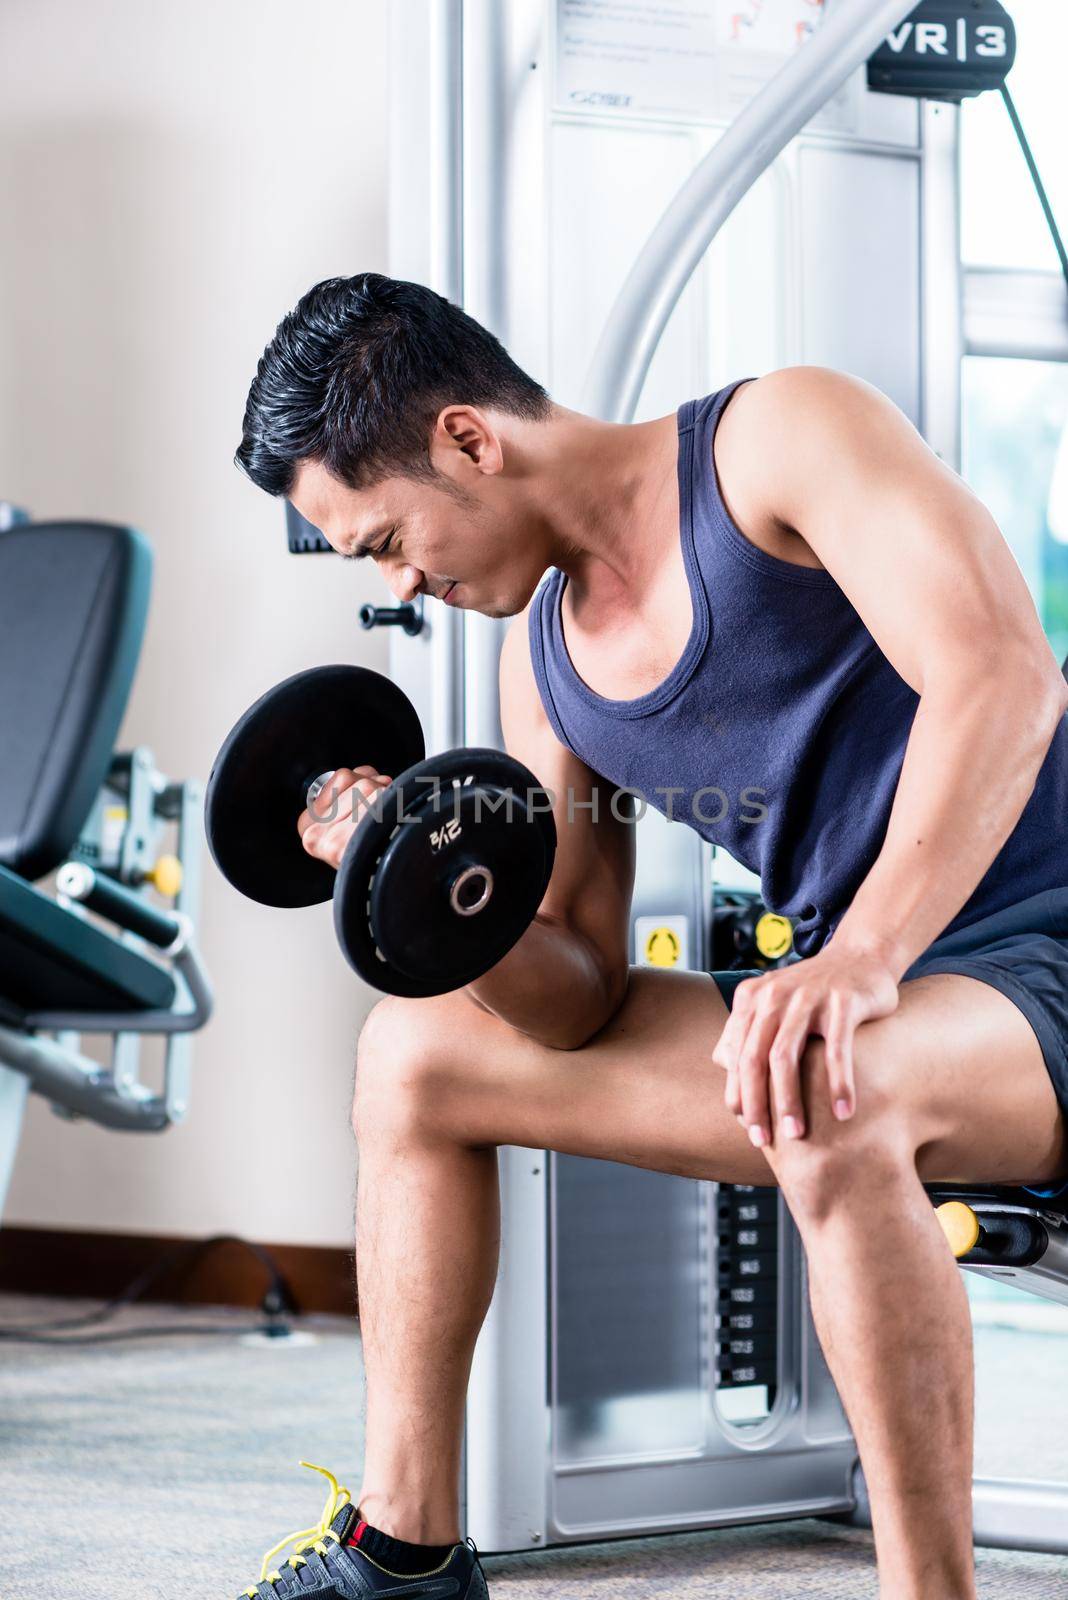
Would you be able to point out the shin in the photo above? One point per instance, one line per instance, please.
(427, 1230)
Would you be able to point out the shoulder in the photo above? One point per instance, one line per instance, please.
(777, 427)
(773, 408)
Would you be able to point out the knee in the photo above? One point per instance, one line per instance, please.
(404, 1061)
(837, 1162)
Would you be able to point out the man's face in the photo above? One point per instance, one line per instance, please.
(461, 542)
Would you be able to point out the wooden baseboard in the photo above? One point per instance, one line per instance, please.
(97, 1266)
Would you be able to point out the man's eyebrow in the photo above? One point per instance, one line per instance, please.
(361, 550)
(364, 548)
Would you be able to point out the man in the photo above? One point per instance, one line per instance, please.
(781, 596)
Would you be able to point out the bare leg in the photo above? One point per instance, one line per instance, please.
(951, 1087)
(891, 1311)
(915, 1435)
(427, 1225)
(887, 1297)
(439, 1085)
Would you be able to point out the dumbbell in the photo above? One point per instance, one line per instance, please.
(445, 869)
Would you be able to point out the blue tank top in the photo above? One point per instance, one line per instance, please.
(780, 732)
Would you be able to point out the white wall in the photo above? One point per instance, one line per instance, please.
(174, 177)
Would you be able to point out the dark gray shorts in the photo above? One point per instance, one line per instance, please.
(1022, 952)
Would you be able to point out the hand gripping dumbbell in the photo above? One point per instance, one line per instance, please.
(446, 867)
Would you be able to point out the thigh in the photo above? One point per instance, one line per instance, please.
(644, 1090)
(974, 1068)
(956, 1067)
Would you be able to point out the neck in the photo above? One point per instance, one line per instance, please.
(609, 503)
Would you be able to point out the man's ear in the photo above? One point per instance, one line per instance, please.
(468, 431)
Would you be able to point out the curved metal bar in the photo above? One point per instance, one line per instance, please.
(187, 1020)
(672, 252)
(79, 1085)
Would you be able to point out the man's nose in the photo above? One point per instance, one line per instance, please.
(405, 582)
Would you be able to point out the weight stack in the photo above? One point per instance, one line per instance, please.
(747, 1276)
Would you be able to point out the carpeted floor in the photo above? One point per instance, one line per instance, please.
(161, 1469)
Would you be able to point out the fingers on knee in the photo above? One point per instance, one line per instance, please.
(821, 1170)
(878, 1101)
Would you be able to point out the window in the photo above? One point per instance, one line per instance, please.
(1001, 220)
(1015, 457)
(1015, 411)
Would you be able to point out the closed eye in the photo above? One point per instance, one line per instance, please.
(363, 551)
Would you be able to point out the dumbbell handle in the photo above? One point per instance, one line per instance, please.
(470, 891)
(315, 786)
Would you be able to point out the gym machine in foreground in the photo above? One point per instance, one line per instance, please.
(113, 953)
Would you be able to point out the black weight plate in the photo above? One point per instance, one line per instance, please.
(479, 819)
(314, 722)
(482, 827)
(392, 913)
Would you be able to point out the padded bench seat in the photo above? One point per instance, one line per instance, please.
(1006, 1193)
(52, 960)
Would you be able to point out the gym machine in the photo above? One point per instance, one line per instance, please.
(112, 952)
(649, 1362)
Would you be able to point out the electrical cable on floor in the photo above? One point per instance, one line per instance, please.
(277, 1305)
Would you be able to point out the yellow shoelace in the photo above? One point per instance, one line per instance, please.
(308, 1538)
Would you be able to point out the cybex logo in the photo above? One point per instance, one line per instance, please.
(956, 39)
(597, 97)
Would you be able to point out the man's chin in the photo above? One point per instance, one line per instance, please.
(488, 608)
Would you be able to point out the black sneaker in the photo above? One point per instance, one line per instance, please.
(327, 1561)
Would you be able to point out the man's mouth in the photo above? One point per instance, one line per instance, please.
(448, 592)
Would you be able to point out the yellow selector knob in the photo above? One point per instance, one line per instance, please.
(166, 876)
(960, 1226)
(774, 935)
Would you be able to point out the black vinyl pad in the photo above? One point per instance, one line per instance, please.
(73, 602)
(52, 960)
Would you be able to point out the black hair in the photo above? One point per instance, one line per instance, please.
(356, 376)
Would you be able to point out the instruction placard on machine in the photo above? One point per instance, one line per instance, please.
(701, 60)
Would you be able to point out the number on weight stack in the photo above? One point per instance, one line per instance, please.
(747, 1270)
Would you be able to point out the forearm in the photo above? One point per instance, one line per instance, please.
(553, 986)
(969, 769)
